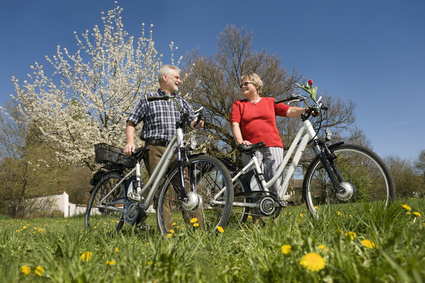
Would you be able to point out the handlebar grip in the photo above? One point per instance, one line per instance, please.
(283, 100)
(154, 98)
(289, 98)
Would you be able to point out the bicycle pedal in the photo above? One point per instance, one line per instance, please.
(134, 196)
(143, 227)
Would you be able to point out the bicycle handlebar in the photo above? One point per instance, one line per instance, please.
(318, 106)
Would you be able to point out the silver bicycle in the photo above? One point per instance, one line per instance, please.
(183, 188)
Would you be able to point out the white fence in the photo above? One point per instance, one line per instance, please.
(60, 201)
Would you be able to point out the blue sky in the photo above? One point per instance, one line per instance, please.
(370, 51)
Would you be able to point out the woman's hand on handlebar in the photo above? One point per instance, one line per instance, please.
(245, 142)
(195, 124)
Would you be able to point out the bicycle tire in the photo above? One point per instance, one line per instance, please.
(105, 218)
(358, 166)
(208, 177)
(240, 214)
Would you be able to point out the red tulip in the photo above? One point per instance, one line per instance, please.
(310, 82)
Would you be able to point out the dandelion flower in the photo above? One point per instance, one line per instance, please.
(86, 256)
(417, 214)
(39, 270)
(111, 262)
(286, 249)
(351, 234)
(220, 229)
(313, 262)
(195, 224)
(172, 231)
(169, 235)
(339, 213)
(25, 269)
(405, 206)
(193, 220)
(369, 244)
(116, 250)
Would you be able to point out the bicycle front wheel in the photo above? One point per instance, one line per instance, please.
(210, 196)
(362, 174)
(105, 208)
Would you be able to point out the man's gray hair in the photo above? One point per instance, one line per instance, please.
(166, 70)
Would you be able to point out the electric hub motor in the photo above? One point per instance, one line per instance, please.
(193, 203)
(349, 191)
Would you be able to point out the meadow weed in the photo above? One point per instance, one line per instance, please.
(354, 244)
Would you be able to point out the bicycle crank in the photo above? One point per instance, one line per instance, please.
(268, 205)
(133, 212)
(193, 201)
(346, 191)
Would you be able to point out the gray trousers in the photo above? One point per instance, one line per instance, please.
(269, 158)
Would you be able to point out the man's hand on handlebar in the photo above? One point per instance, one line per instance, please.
(129, 149)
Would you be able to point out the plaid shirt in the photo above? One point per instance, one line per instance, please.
(159, 117)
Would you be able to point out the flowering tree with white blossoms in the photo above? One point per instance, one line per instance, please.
(90, 94)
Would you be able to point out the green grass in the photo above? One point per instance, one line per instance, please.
(243, 254)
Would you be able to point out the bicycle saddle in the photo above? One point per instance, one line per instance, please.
(251, 147)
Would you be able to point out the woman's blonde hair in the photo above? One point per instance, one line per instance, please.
(255, 79)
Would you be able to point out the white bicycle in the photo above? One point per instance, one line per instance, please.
(339, 174)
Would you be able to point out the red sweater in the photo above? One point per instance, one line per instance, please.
(258, 120)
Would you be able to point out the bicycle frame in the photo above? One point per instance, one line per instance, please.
(304, 135)
(157, 175)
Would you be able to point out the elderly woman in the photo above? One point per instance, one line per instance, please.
(254, 120)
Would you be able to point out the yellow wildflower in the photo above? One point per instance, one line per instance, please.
(25, 269)
(220, 229)
(405, 206)
(417, 214)
(193, 220)
(339, 213)
(313, 262)
(195, 224)
(169, 235)
(286, 249)
(322, 247)
(39, 270)
(110, 262)
(352, 235)
(116, 250)
(369, 244)
(86, 256)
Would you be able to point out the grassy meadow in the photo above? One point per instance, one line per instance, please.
(363, 244)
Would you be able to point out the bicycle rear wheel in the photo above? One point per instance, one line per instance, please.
(210, 197)
(240, 210)
(106, 214)
(365, 177)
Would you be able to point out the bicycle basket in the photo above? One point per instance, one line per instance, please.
(105, 153)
